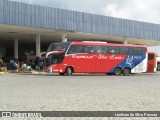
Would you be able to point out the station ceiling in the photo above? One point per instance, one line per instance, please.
(28, 34)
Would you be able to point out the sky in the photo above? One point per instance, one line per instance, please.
(141, 10)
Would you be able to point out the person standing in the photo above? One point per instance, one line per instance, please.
(41, 63)
(16, 65)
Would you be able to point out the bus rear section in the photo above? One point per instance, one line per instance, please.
(152, 62)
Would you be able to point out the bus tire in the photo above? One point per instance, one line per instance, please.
(126, 72)
(69, 71)
(118, 71)
(61, 73)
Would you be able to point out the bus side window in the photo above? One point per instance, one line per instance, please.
(89, 49)
(141, 50)
(71, 50)
(101, 49)
(79, 49)
(75, 49)
(113, 50)
(133, 50)
(123, 50)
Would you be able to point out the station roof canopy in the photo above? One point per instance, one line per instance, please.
(24, 21)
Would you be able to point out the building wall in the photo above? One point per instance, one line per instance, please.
(2, 52)
(23, 14)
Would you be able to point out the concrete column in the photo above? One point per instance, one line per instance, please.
(38, 46)
(16, 49)
(125, 40)
(64, 38)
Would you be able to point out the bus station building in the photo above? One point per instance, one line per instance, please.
(27, 30)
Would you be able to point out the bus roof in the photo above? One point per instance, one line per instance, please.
(104, 44)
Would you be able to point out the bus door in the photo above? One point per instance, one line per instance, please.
(151, 64)
(81, 58)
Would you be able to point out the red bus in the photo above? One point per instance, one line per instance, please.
(95, 57)
(152, 62)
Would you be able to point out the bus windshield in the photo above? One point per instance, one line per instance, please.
(54, 59)
(58, 46)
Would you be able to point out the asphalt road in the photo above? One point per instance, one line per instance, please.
(79, 92)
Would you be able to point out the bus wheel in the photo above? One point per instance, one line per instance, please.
(126, 72)
(61, 73)
(117, 71)
(69, 71)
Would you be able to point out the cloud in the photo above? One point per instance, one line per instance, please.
(112, 10)
(141, 10)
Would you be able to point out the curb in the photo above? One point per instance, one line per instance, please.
(35, 72)
(31, 72)
(1, 73)
(151, 73)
